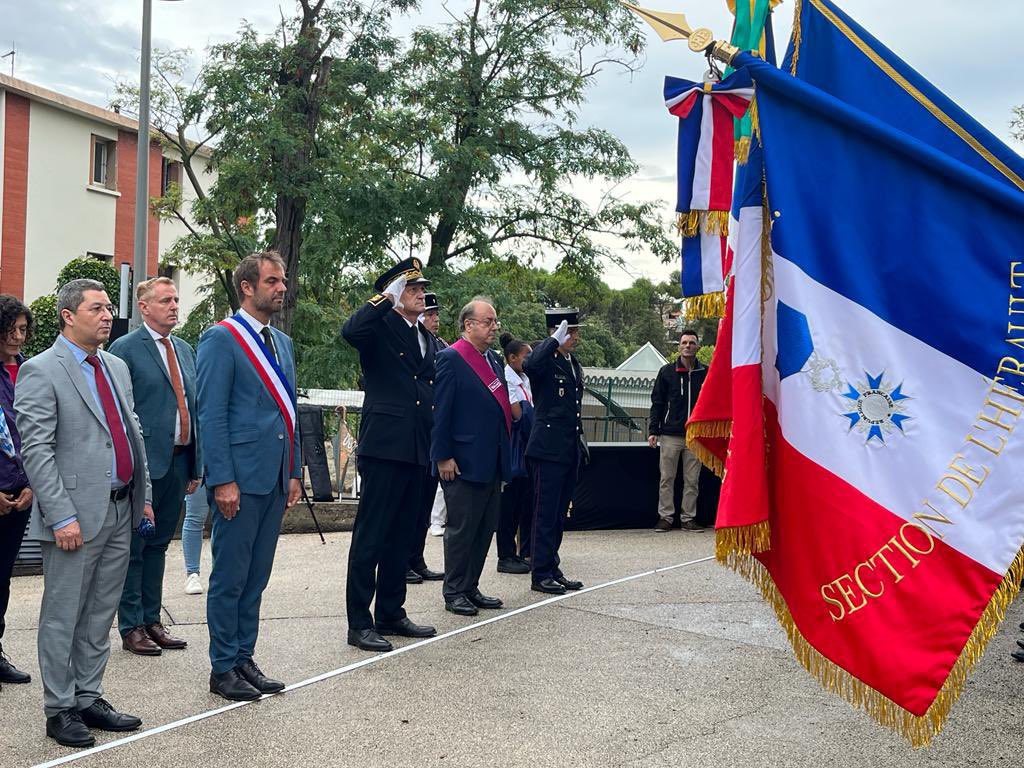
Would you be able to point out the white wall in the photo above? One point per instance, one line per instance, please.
(65, 219)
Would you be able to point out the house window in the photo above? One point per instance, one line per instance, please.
(170, 173)
(104, 162)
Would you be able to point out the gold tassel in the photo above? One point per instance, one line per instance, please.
(742, 149)
(716, 222)
(755, 122)
(719, 429)
(705, 305)
(742, 539)
(688, 223)
(919, 731)
(797, 38)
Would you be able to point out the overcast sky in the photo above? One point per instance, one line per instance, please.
(970, 51)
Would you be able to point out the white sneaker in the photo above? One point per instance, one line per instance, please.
(437, 530)
(193, 586)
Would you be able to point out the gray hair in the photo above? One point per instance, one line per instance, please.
(248, 269)
(467, 311)
(71, 295)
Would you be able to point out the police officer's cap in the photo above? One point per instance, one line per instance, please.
(430, 302)
(411, 269)
(555, 315)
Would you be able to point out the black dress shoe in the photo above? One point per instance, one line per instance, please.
(550, 586)
(10, 673)
(103, 717)
(254, 676)
(405, 627)
(232, 686)
(512, 565)
(411, 577)
(480, 600)
(67, 729)
(1022, 626)
(368, 640)
(1017, 655)
(1020, 644)
(569, 583)
(461, 606)
(428, 575)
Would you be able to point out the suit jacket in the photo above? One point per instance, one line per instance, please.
(241, 429)
(557, 386)
(469, 425)
(155, 403)
(66, 443)
(398, 381)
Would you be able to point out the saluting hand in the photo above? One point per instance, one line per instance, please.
(228, 498)
(561, 333)
(394, 291)
(448, 469)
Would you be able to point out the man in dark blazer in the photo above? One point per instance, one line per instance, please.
(163, 370)
(470, 446)
(418, 570)
(397, 359)
(86, 462)
(246, 374)
(557, 447)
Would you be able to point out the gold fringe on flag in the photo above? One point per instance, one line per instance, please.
(719, 429)
(797, 38)
(742, 539)
(919, 731)
(755, 122)
(742, 149)
(690, 223)
(705, 305)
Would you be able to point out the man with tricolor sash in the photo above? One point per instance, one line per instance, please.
(246, 373)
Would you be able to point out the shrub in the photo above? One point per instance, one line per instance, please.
(44, 310)
(92, 269)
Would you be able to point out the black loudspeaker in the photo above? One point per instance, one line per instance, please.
(314, 457)
(118, 329)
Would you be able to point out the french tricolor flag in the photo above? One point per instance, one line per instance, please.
(866, 401)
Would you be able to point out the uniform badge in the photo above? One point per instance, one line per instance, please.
(561, 391)
(879, 407)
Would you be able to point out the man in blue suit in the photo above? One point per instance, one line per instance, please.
(163, 370)
(253, 466)
(470, 446)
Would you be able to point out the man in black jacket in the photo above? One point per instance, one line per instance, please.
(672, 400)
(556, 448)
(397, 357)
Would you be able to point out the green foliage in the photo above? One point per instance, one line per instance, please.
(1017, 123)
(44, 312)
(705, 353)
(92, 269)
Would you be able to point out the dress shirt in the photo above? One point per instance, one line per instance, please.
(163, 356)
(89, 373)
(518, 387)
(419, 336)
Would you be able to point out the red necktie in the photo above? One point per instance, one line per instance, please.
(122, 453)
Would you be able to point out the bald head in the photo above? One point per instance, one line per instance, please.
(479, 323)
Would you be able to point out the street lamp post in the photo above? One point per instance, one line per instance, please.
(142, 163)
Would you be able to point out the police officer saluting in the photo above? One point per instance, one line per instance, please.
(556, 447)
(397, 357)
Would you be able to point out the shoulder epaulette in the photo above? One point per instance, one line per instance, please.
(380, 298)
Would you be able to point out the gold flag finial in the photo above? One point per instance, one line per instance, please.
(673, 26)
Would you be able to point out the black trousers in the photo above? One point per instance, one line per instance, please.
(516, 517)
(472, 518)
(379, 553)
(419, 538)
(553, 484)
(12, 530)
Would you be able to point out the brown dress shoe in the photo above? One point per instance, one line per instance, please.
(159, 635)
(138, 642)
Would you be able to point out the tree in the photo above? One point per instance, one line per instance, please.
(491, 139)
(1017, 123)
(92, 269)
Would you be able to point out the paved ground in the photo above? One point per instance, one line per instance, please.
(685, 667)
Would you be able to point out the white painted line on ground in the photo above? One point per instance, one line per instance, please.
(376, 659)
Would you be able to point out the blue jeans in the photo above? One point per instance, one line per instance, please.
(197, 512)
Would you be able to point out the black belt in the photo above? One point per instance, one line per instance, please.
(118, 494)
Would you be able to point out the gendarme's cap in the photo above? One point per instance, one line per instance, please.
(555, 315)
(430, 302)
(411, 269)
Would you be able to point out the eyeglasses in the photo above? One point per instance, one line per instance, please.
(490, 321)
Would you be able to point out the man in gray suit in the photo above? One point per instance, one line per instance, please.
(86, 461)
(163, 372)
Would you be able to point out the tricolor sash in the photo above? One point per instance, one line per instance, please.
(268, 370)
(479, 365)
